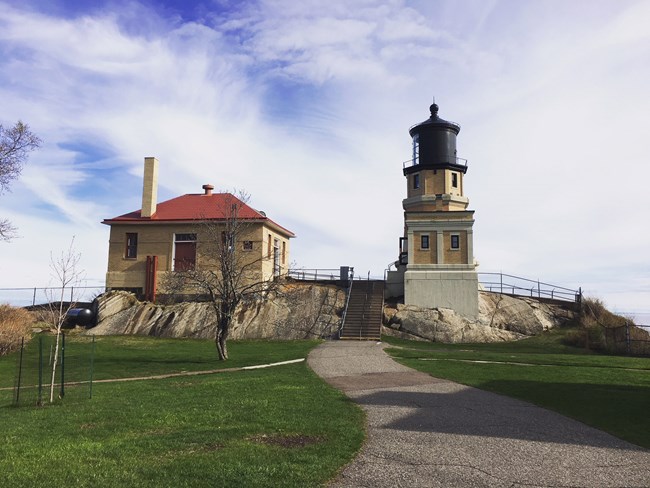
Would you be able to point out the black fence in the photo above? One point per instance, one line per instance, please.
(25, 297)
(34, 362)
(629, 339)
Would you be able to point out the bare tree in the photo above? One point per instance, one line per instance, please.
(226, 271)
(66, 275)
(15, 144)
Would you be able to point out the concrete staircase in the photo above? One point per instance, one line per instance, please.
(365, 309)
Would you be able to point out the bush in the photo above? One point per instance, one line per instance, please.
(591, 325)
(15, 323)
(594, 314)
(601, 330)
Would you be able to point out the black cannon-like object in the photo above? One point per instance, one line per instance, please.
(80, 316)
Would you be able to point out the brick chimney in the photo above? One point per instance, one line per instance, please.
(149, 187)
(208, 189)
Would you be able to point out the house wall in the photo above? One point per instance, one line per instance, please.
(158, 240)
(268, 237)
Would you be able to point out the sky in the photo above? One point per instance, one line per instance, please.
(306, 106)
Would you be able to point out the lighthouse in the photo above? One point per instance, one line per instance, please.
(436, 267)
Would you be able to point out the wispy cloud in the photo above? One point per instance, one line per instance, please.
(306, 105)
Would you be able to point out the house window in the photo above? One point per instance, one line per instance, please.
(184, 252)
(131, 251)
(284, 252)
(424, 241)
(248, 245)
(227, 240)
(454, 180)
(416, 181)
(276, 257)
(455, 241)
(269, 245)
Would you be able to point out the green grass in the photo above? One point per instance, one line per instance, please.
(132, 356)
(611, 393)
(227, 429)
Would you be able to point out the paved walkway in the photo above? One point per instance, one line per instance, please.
(427, 432)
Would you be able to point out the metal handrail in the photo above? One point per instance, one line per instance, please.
(458, 161)
(537, 288)
(345, 309)
(331, 274)
(315, 274)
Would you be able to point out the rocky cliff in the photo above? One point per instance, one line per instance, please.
(294, 311)
(309, 310)
(501, 318)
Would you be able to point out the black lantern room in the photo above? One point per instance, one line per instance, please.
(434, 145)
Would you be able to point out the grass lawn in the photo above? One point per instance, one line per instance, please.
(281, 426)
(611, 393)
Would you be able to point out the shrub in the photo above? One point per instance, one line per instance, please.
(15, 323)
(601, 330)
(594, 314)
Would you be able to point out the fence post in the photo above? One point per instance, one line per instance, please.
(40, 371)
(501, 278)
(92, 363)
(627, 337)
(61, 395)
(20, 370)
(539, 292)
(34, 298)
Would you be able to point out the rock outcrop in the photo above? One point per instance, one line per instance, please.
(501, 318)
(294, 311)
(309, 310)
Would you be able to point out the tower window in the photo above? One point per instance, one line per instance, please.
(416, 181)
(416, 149)
(424, 241)
(455, 241)
(454, 180)
(248, 245)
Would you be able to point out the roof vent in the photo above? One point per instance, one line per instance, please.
(262, 213)
(208, 189)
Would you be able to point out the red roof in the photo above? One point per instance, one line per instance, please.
(197, 207)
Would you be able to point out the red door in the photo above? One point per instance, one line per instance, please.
(185, 256)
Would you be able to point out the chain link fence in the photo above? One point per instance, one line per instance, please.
(26, 297)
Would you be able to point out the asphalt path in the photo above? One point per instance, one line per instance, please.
(428, 432)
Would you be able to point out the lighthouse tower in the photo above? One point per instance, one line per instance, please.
(436, 263)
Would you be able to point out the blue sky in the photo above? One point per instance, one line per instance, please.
(306, 106)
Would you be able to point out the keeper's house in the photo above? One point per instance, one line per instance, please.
(175, 235)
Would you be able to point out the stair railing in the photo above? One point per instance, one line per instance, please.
(366, 305)
(345, 309)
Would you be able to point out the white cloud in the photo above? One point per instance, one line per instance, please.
(306, 105)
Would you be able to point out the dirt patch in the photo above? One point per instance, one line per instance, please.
(210, 447)
(287, 441)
